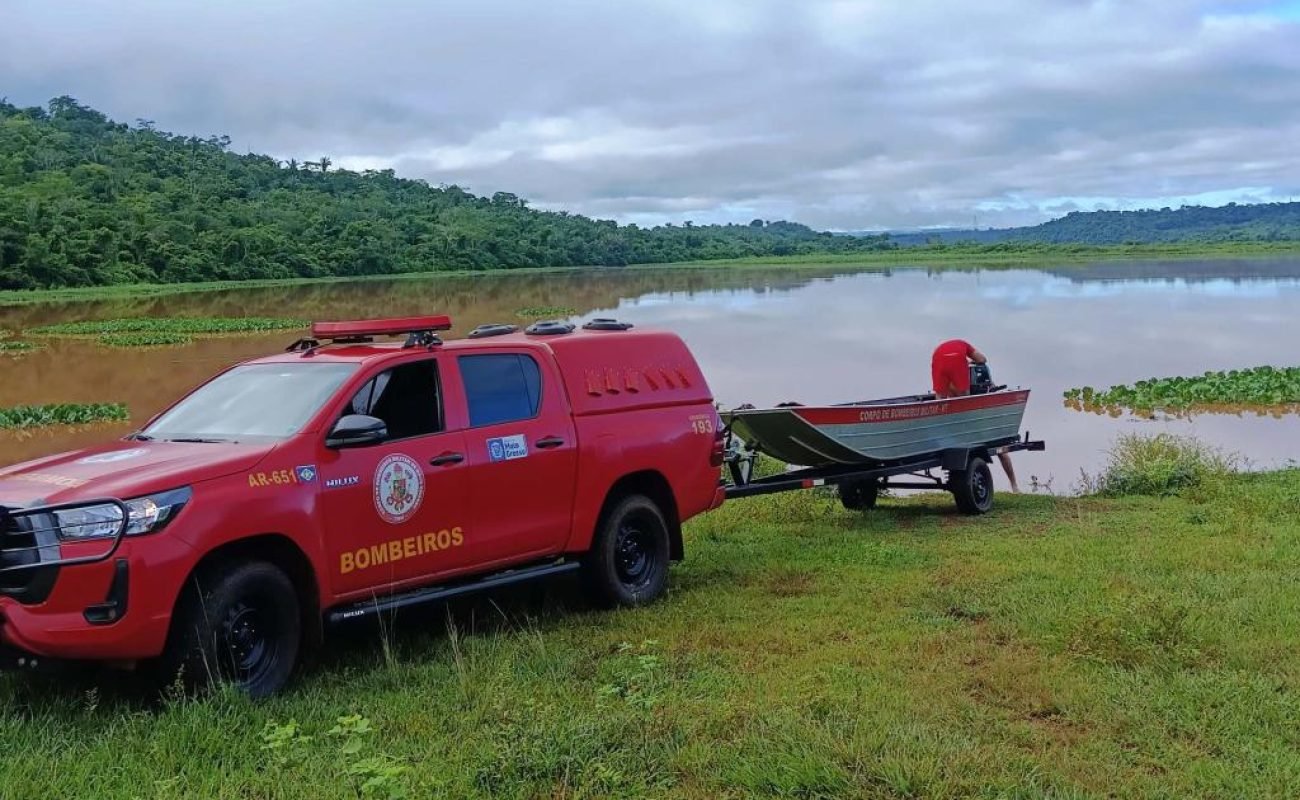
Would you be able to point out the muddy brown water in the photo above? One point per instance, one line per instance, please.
(815, 335)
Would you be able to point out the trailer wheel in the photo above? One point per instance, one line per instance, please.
(973, 487)
(628, 561)
(239, 624)
(859, 495)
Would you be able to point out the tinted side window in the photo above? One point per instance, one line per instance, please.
(406, 398)
(501, 387)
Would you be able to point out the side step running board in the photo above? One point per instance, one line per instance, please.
(435, 594)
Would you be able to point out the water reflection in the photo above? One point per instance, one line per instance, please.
(813, 334)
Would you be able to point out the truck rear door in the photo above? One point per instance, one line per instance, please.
(521, 452)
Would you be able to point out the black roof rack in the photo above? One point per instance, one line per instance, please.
(550, 327)
(492, 329)
(427, 339)
(305, 344)
(606, 324)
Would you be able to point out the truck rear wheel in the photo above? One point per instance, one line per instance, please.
(239, 624)
(973, 487)
(628, 561)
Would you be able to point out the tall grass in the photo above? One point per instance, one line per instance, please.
(1162, 464)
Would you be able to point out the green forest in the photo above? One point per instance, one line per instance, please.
(87, 201)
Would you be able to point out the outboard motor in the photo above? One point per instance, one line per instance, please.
(981, 379)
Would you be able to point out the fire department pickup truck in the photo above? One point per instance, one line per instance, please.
(348, 477)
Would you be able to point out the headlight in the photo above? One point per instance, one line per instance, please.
(145, 515)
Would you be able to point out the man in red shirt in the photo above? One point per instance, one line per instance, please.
(950, 373)
(950, 367)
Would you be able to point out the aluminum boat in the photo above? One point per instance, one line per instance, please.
(879, 431)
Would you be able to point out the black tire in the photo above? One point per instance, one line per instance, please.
(628, 561)
(237, 623)
(973, 487)
(859, 495)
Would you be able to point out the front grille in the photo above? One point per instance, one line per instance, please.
(21, 545)
(16, 539)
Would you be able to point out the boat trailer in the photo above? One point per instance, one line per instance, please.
(966, 474)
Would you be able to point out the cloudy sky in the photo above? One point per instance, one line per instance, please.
(843, 114)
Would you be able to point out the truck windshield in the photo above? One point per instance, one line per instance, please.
(252, 402)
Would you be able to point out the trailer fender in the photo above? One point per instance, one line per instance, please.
(956, 458)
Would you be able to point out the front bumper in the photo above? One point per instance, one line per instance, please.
(92, 615)
(99, 601)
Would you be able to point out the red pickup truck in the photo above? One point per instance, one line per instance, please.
(347, 477)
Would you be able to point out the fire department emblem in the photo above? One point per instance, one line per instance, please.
(399, 488)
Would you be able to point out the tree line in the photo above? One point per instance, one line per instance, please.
(88, 201)
(1235, 222)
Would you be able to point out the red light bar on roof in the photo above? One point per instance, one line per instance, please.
(379, 327)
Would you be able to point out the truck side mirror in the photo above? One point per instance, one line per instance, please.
(355, 430)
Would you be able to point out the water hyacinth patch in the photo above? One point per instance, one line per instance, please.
(1258, 386)
(193, 326)
(62, 414)
(148, 339)
(545, 312)
(17, 348)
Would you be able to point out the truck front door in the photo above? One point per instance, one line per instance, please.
(522, 452)
(398, 510)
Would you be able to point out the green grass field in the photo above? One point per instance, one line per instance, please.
(1092, 647)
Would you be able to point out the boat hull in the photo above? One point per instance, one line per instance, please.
(881, 431)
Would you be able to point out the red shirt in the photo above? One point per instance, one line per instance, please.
(949, 368)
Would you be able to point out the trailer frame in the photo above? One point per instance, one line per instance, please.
(966, 474)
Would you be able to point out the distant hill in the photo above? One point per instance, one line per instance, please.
(87, 201)
(1233, 222)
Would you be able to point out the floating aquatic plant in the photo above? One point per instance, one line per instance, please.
(61, 414)
(1258, 386)
(145, 339)
(194, 326)
(545, 312)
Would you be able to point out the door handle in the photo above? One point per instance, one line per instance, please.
(549, 442)
(447, 459)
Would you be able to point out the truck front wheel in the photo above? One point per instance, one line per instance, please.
(239, 624)
(628, 561)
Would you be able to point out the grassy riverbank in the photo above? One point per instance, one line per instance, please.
(1132, 647)
(940, 257)
(1014, 254)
